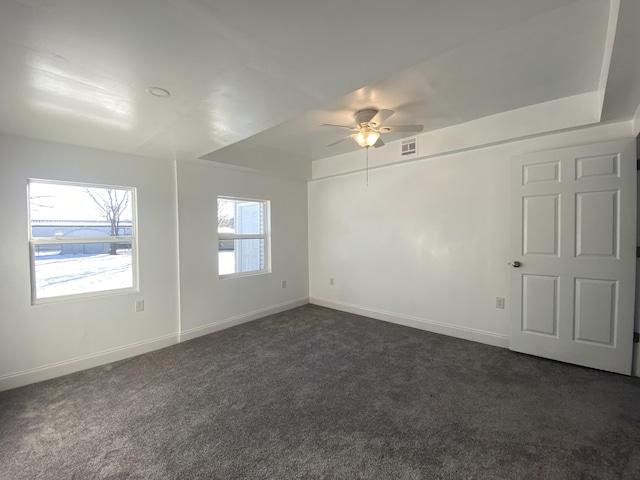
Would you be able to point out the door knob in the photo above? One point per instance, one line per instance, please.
(516, 264)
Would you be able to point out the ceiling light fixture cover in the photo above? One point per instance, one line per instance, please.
(367, 138)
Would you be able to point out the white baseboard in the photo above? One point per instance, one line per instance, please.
(480, 336)
(237, 320)
(53, 370)
(46, 372)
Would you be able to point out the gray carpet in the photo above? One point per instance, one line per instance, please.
(314, 393)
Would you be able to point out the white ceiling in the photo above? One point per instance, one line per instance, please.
(251, 75)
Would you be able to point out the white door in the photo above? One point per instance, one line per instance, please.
(573, 214)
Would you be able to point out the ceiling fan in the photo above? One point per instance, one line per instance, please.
(368, 128)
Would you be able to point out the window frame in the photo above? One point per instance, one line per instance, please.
(265, 235)
(35, 241)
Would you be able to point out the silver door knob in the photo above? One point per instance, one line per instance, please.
(516, 264)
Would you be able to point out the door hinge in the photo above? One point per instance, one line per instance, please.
(637, 252)
(636, 337)
(638, 164)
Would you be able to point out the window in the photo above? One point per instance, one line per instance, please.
(82, 239)
(243, 236)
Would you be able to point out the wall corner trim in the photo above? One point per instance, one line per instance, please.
(53, 370)
(480, 336)
(239, 319)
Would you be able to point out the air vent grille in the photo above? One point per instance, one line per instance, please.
(409, 147)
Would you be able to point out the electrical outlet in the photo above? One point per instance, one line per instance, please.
(331, 281)
(284, 284)
(139, 305)
(500, 302)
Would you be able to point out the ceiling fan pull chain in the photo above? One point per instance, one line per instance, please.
(367, 166)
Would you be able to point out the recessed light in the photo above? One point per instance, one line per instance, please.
(158, 92)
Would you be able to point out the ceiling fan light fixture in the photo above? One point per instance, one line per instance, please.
(368, 128)
(367, 139)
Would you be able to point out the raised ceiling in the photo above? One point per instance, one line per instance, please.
(249, 75)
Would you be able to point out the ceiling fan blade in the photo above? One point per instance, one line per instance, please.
(338, 126)
(402, 128)
(379, 143)
(341, 140)
(380, 117)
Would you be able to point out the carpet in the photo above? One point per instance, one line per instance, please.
(314, 393)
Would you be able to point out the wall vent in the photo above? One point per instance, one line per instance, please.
(409, 147)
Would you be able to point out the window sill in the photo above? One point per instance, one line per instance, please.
(244, 274)
(83, 296)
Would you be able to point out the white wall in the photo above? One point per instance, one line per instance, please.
(427, 242)
(209, 303)
(43, 341)
(48, 340)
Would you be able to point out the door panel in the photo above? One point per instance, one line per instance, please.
(598, 166)
(595, 311)
(597, 224)
(541, 223)
(573, 231)
(540, 304)
(542, 172)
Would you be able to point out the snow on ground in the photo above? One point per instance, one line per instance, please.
(226, 262)
(58, 275)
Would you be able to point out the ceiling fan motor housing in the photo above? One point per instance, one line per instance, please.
(365, 116)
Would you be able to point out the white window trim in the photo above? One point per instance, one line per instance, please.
(34, 241)
(266, 236)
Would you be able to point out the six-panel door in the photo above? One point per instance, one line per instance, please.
(573, 216)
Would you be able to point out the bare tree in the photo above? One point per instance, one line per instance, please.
(112, 204)
(224, 219)
(40, 201)
(225, 213)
